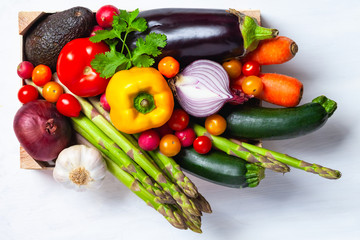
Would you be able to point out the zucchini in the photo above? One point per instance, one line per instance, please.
(256, 122)
(220, 168)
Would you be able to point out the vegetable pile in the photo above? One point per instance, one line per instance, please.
(143, 97)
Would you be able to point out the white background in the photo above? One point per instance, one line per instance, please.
(297, 205)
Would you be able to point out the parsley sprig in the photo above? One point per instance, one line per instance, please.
(108, 63)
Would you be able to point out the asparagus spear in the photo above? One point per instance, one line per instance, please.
(177, 218)
(232, 148)
(294, 162)
(136, 154)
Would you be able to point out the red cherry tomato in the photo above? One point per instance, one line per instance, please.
(179, 120)
(68, 105)
(169, 67)
(202, 144)
(27, 94)
(251, 68)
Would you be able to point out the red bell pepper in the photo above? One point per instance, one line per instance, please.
(74, 69)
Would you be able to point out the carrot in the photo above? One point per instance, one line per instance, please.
(273, 51)
(280, 89)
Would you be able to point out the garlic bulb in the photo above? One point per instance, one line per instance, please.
(80, 167)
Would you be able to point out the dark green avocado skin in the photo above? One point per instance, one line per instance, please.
(45, 40)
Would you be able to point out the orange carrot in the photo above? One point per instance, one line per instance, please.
(273, 51)
(281, 90)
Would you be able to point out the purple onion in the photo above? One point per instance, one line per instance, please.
(202, 88)
(41, 130)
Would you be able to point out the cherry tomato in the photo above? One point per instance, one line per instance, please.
(68, 105)
(251, 68)
(169, 67)
(41, 75)
(170, 145)
(27, 94)
(52, 91)
(179, 120)
(202, 144)
(215, 124)
(252, 85)
(233, 68)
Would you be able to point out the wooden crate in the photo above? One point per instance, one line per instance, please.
(28, 19)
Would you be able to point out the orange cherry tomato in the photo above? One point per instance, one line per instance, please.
(52, 91)
(170, 145)
(215, 124)
(41, 75)
(169, 67)
(233, 68)
(252, 85)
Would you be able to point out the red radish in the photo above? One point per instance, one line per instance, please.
(104, 103)
(24, 69)
(164, 130)
(104, 16)
(95, 28)
(186, 137)
(149, 140)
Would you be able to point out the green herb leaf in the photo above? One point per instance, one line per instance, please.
(108, 63)
(150, 46)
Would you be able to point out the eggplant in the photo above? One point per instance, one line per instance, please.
(212, 34)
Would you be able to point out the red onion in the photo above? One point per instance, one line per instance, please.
(41, 130)
(202, 88)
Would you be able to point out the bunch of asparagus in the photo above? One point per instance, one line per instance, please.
(155, 178)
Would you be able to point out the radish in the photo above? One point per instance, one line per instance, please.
(104, 16)
(149, 140)
(95, 28)
(25, 69)
(186, 137)
(104, 103)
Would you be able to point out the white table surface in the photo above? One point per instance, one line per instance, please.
(297, 205)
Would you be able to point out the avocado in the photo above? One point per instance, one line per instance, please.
(44, 41)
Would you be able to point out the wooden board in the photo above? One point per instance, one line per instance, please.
(26, 20)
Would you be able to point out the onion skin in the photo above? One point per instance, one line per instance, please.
(41, 130)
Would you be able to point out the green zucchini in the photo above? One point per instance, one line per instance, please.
(256, 122)
(220, 168)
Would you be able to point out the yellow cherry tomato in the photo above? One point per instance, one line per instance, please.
(52, 91)
(252, 85)
(233, 68)
(170, 145)
(41, 75)
(215, 124)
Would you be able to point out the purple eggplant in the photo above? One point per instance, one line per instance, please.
(203, 33)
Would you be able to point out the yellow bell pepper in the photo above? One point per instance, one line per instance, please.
(139, 99)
